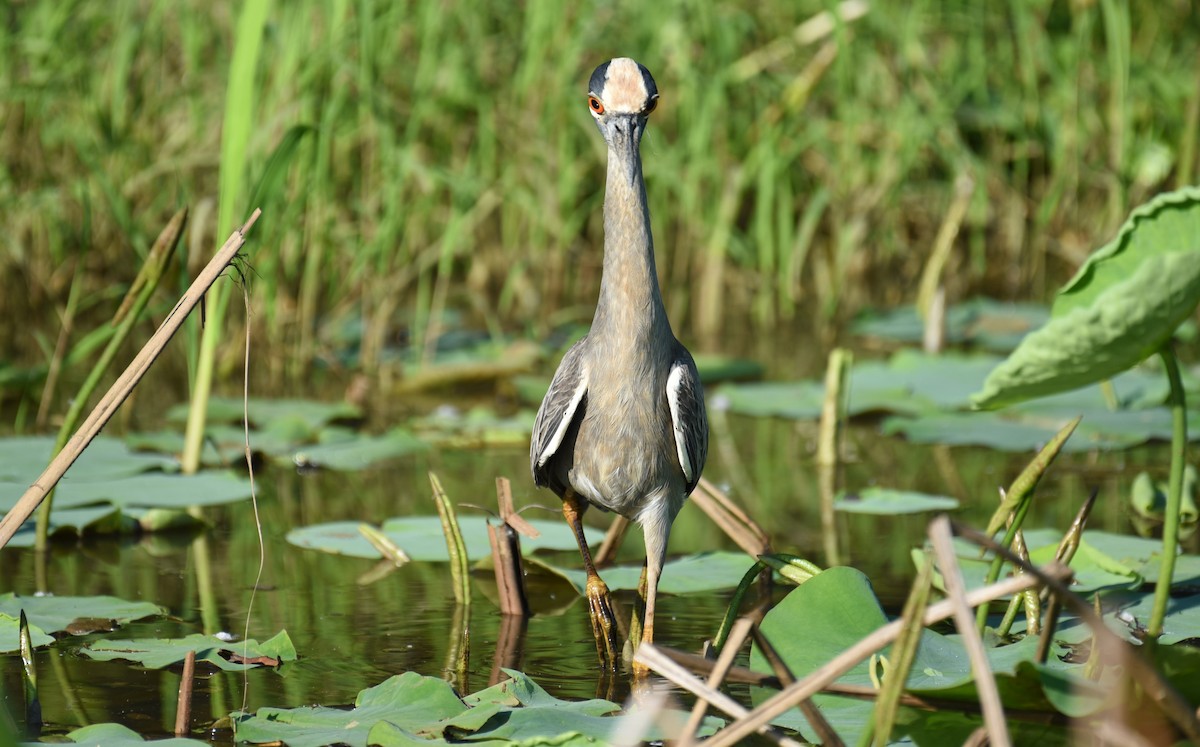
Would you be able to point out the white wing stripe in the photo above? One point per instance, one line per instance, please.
(564, 423)
(674, 382)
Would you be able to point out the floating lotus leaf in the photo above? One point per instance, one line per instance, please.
(888, 502)
(314, 415)
(837, 607)
(23, 459)
(422, 539)
(151, 490)
(412, 710)
(10, 634)
(691, 574)
(55, 614)
(347, 451)
(157, 653)
(1124, 303)
(118, 735)
(992, 325)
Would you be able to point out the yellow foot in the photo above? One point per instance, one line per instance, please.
(604, 622)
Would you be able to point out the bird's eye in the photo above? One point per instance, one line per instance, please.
(651, 105)
(595, 104)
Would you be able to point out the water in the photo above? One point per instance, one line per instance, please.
(352, 634)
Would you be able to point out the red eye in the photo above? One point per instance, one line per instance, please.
(651, 106)
(594, 102)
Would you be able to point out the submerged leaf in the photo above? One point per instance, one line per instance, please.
(157, 653)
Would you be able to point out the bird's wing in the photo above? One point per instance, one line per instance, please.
(558, 409)
(688, 418)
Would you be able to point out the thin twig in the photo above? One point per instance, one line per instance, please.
(743, 676)
(1116, 649)
(654, 658)
(985, 683)
(824, 731)
(848, 659)
(121, 389)
(737, 636)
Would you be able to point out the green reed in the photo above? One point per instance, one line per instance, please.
(452, 164)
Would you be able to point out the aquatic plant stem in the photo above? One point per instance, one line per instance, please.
(1166, 571)
(123, 386)
(1017, 500)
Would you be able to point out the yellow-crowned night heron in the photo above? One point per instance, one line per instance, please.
(623, 425)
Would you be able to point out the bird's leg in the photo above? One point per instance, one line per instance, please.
(656, 533)
(604, 622)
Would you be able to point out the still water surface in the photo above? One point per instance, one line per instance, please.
(353, 632)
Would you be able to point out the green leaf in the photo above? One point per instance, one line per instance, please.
(157, 653)
(118, 735)
(992, 325)
(1167, 224)
(691, 574)
(263, 412)
(888, 502)
(150, 490)
(359, 451)
(421, 537)
(1149, 496)
(410, 710)
(10, 634)
(1124, 303)
(55, 614)
(23, 458)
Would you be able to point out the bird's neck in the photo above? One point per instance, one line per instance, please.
(630, 305)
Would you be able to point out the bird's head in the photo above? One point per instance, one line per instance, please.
(621, 95)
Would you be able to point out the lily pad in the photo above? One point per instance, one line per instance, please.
(410, 710)
(421, 537)
(987, 323)
(23, 459)
(10, 634)
(150, 490)
(359, 451)
(311, 414)
(158, 653)
(55, 614)
(117, 735)
(888, 502)
(476, 428)
(1149, 496)
(1122, 305)
(909, 382)
(691, 574)
(837, 607)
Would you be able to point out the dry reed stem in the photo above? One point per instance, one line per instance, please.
(848, 659)
(699, 665)
(732, 520)
(985, 683)
(826, 734)
(183, 708)
(653, 657)
(107, 407)
(506, 553)
(612, 542)
(1114, 648)
(737, 636)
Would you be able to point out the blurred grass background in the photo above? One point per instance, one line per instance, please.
(438, 156)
